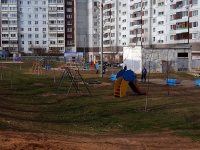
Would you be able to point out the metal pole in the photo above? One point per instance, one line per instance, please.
(141, 23)
(101, 25)
(84, 48)
(136, 36)
(188, 26)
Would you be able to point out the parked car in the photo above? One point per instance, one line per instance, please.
(116, 65)
(121, 64)
(105, 63)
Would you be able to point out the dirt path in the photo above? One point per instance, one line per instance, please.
(147, 141)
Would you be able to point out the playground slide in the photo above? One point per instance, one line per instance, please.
(123, 88)
(117, 87)
(136, 88)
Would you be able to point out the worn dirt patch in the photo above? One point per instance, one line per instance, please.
(11, 140)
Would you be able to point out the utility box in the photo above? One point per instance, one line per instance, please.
(132, 58)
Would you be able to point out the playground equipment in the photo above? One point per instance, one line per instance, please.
(113, 77)
(125, 78)
(197, 82)
(73, 78)
(36, 67)
(172, 81)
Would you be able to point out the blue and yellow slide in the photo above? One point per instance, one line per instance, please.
(125, 78)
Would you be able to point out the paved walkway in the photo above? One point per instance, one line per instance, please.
(189, 83)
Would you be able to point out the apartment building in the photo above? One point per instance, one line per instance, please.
(74, 25)
(42, 25)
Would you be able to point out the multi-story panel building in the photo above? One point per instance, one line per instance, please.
(74, 25)
(9, 25)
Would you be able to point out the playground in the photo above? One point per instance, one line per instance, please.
(47, 108)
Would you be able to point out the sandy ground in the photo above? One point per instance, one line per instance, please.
(11, 140)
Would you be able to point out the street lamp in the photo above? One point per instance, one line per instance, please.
(84, 48)
(101, 27)
(188, 8)
(137, 27)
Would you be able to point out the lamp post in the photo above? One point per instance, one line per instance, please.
(84, 48)
(137, 27)
(101, 27)
(188, 21)
(141, 23)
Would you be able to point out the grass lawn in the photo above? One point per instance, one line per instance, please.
(29, 103)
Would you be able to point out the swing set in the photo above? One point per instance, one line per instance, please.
(73, 78)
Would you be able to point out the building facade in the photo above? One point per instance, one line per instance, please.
(75, 25)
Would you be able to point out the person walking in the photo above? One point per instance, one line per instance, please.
(97, 67)
(104, 68)
(144, 72)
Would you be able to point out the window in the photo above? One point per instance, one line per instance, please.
(146, 12)
(172, 6)
(43, 29)
(69, 29)
(69, 36)
(194, 35)
(124, 5)
(171, 27)
(95, 3)
(124, 28)
(154, 20)
(195, 2)
(160, 41)
(29, 22)
(22, 29)
(124, 20)
(154, 11)
(161, 4)
(161, 22)
(36, 2)
(146, 21)
(161, 13)
(29, 35)
(195, 13)
(69, 9)
(154, 2)
(36, 22)
(29, 42)
(68, 16)
(22, 42)
(69, 22)
(69, 3)
(146, 30)
(36, 35)
(171, 37)
(171, 17)
(29, 29)
(36, 15)
(154, 29)
(36, 29)
(36, 42)
(28, 2)
(160, 32)
(195, 24)
(13, 35)
(123, 36)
